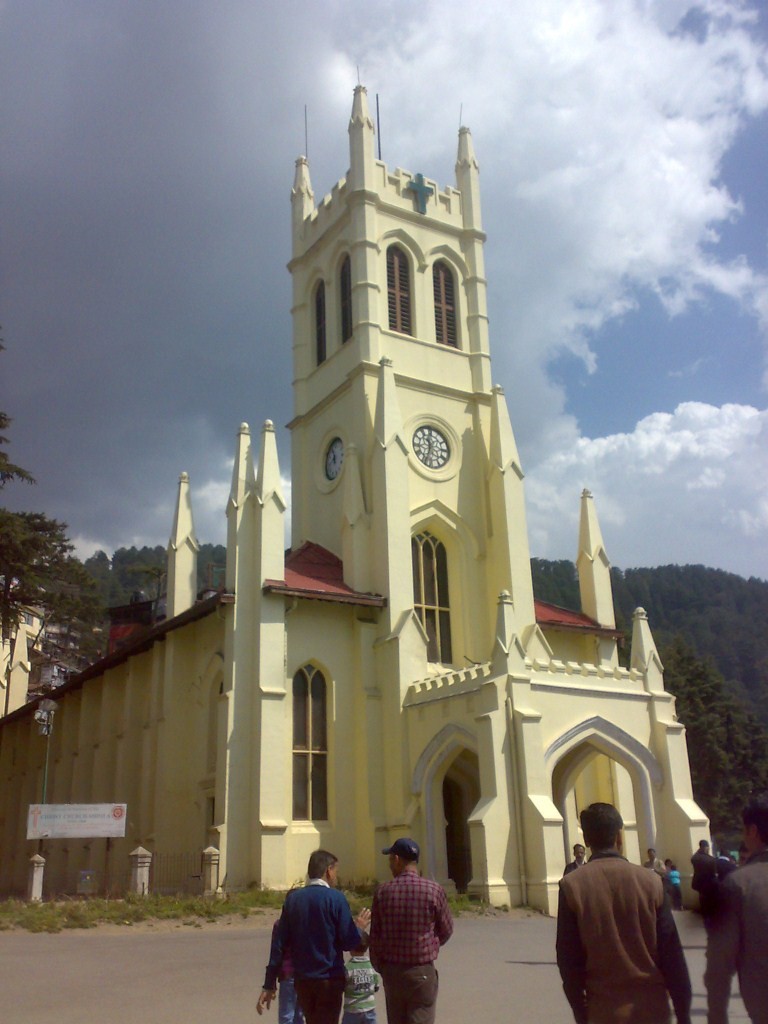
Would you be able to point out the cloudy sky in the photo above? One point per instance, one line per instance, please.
(148, 153)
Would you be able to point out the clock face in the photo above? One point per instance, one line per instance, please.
(334, 457)
(431, 447)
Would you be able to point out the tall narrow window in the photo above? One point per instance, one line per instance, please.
(320, 323)
(310, 746)
(430, 594)
(445, 307)
(398, 290)
(345, 283)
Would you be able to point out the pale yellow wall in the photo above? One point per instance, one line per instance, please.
(134, 735)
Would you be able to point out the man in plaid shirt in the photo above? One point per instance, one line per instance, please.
(410, 921)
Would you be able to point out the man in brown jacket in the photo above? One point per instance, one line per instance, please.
(618, 950)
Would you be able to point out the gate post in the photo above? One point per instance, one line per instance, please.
(35, 884)
(140, 861)
(210, 871)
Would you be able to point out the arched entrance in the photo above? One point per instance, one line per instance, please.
(447, 779)
(597, 761)
(461, 792)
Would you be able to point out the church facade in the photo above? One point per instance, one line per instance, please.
(390, 674)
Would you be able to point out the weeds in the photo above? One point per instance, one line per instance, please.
(58, 914)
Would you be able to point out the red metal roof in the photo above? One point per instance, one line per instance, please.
(314, 572)
(563, 618)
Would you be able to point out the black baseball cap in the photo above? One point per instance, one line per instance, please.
(408, 849)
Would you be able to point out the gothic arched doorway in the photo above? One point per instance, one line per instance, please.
(594, 770)
(461, 791)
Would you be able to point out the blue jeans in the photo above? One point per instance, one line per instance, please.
(366, 1017)
(288, 1009)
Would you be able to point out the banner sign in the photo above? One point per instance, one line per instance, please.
(76, 821)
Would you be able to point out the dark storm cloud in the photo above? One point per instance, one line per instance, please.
(148, 153)
(144, 247)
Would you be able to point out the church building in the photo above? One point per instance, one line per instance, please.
(391, 674)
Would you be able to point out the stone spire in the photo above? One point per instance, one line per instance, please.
(270, 507)
(644, 657)
(468, 180)
(593, 567)
(473, 239)
(302, 196)
(361, 146)
(182, 554)
(240, 507)
(511, 569)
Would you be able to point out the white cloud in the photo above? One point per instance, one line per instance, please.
(600, 131)
(690, 486)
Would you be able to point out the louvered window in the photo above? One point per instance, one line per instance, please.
(320, 323)
(345, 283)
(430, 594)
(310, 746)
(399, 290)
(445, 306)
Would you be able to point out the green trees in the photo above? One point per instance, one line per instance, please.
(132, 569)
(39, 574)
(727, 745)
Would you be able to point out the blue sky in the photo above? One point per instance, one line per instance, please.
(148, 160)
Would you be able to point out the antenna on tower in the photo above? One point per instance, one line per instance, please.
(358, 74)
(378, 124)
(461, 111)
(306, 134)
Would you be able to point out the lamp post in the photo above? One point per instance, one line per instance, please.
(46, 709)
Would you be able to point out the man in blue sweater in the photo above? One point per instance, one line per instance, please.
(317, 924)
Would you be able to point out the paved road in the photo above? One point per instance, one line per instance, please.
(494, 969)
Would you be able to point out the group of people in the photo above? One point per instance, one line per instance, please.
(399, 937)
(618, 950)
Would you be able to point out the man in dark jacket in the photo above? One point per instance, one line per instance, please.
(705, 882)
(579, 853)
(317, 924)
(618, 950)
(738, 940)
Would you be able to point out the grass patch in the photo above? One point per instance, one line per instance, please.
(58, 914)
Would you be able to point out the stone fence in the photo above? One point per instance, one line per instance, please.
(143, 880)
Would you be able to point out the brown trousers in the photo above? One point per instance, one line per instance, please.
(410, 992)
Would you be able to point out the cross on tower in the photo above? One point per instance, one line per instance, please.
(421, 191)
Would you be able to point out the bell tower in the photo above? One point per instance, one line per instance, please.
(402, 452)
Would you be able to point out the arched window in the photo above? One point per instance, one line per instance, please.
(398, 290)
(430, 594)
(345, 282)
(310, 746)
(445, 306)
(320, 323)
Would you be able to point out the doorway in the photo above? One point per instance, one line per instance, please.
(461, 792)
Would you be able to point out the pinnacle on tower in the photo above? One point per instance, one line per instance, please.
(182, 554)
(302, 196)
(468, 180)
(593, 566)
(361, 135)
(270, 508)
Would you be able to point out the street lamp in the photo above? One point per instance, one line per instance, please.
(46, 709)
